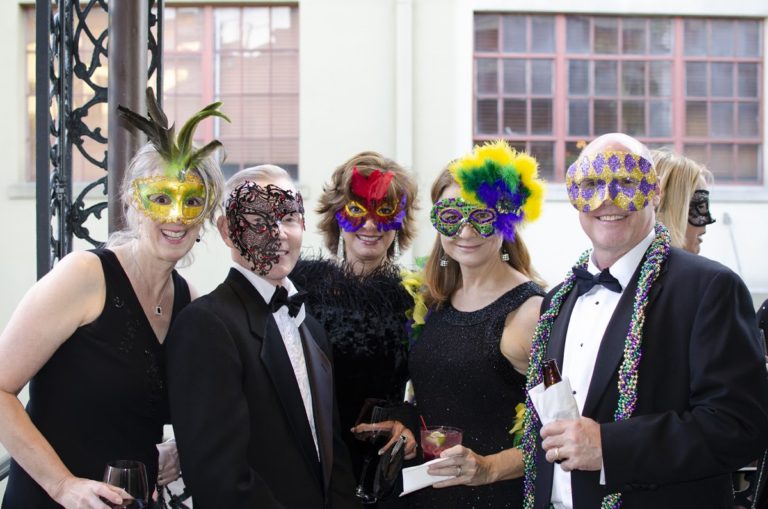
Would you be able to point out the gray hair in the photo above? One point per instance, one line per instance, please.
(148, 161)
(255, 174)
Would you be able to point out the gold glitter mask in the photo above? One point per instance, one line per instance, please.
(625, 179)
(170, 200)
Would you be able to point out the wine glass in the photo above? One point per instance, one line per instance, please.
(131, 476)
(372, 412)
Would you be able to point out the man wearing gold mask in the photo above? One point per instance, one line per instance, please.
(661, 351)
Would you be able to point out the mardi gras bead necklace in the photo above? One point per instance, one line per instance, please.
(628, 372)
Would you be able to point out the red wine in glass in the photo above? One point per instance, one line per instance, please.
(131, 476)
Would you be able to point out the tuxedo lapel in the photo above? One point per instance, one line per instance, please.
(277, 364)
(321, 382)
(611, 351)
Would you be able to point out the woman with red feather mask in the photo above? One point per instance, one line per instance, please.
(366, 218)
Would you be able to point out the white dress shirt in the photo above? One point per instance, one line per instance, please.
(589, 319)
(289, 330)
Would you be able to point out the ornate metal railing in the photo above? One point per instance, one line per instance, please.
(60, 125)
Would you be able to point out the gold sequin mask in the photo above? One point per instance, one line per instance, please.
(171, 199)
(625, 179)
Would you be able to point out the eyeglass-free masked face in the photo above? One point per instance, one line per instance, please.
(698, 209)
(171, 200)
(449, 215)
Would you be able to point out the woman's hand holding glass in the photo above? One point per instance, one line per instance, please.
(395, 429)
(76, 493)
(470, 468)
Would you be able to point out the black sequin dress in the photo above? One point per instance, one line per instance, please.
(462, 379)
(364, 318)
(102, 395)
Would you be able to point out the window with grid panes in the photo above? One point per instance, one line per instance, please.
(246, 57)
(550, 84)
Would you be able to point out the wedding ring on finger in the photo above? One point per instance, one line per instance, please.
(557, 454)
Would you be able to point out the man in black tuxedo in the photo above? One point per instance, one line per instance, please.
(661, 350)
(249, 373)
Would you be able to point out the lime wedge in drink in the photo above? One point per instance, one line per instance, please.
(437, 438)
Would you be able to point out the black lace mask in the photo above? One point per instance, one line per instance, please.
(698, 209)
(253, 215)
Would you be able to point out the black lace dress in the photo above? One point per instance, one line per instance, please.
(364, 318)
(462, 379)
(102, 395)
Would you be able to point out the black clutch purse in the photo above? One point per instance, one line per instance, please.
(388, 469)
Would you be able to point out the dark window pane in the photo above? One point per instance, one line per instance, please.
(695, 79)
(660, 79)
(606, 78)
(515, 117)
(748, 163)
(696, 118)
(514, 33)
(578, 77)
(572, 151)
(633, 78)
(606, 35)
(721, 161)
(695, 37)
(543, 30)
(749, 119)
(697, 152)
(514, 76)
(633, 118)
(577, 34)
(748, 38)
(487, 117)
(661, 36)
(722, 40)
(660, 119)
(486, 32)
(722, 79)
(721, 123)
(487, 76)
(578, 118)
(541, 116)
(633, 36)
(606, 117)
(544, 152)
(542, 80)
(748, 80)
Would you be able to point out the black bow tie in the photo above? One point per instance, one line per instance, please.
(585, 280)
(293, 303)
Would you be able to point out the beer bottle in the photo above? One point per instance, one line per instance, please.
(551, 373)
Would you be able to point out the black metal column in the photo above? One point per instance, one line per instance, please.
(43, 144)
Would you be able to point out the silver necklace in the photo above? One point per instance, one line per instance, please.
(158, 307)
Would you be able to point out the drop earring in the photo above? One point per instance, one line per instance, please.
(504, 255)
(444, 261)
(396, 248)
(340, 254)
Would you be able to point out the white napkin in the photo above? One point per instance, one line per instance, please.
(416, 478)
(555, 403)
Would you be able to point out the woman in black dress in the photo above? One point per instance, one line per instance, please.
(88, 336)
(366, 218)
(468, 365)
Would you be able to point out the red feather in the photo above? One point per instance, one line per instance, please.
(372, 187)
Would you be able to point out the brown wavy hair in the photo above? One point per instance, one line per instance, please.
(441, 282)
(338, 192)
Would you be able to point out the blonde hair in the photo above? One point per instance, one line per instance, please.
(678, 179)
(338, 192)
(441, 282)
(255, 174)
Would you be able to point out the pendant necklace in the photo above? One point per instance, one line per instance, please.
(158, 310)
